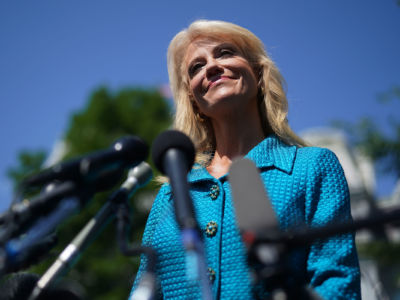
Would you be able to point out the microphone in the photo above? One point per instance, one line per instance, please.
(146, 288)
(31, 221)
(257, 220)
(22, 214)
(137, 177)
(254, 214)
(12, 259)
(253, 207)
(173, 154)
(125, 152)
(30, 247)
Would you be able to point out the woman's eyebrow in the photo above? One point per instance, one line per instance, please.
(224, 45)
(193, 61)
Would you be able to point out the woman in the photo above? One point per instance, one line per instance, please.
(231, 102)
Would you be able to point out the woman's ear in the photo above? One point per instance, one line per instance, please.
(199, 115)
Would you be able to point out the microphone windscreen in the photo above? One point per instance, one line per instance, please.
(36, 253)
(132, 148)
(254, 212)
(172, 139)
(126, 151)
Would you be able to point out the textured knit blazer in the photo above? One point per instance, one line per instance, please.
(306, 186)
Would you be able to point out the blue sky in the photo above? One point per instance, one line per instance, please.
(336, 56)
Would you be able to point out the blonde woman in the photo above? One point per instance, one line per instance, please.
(231, 102)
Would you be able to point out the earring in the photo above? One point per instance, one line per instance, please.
(260, 94)
(200, 117)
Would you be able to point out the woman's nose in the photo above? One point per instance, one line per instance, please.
(213, 68)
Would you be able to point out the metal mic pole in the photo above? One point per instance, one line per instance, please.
(136, 178)
(174, 153)
(71, 253)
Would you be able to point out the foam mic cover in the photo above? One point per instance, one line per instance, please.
(173, 154)
(125, 152)
(172, 139)
(253, 207)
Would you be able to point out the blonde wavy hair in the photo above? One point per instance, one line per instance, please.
(273, 105)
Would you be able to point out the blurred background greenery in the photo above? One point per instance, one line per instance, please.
(102, 270)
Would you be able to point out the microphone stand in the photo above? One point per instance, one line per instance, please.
(116, 205)
(147, 286)
(268, 252)
(269, 260)
(307, 235)
(70, 255)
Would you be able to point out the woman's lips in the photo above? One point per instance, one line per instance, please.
(217, 80)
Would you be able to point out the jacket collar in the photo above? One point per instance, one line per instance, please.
(271, 152)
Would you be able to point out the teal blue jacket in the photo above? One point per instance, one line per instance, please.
(306, 186)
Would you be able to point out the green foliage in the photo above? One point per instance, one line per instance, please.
(382, 148)
(29, 162)
(102, 270)
(383, 252)
(109, 116)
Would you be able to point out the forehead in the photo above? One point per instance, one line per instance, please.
(199, 45)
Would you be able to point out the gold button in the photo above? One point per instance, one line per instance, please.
(211, 228)
(214, 192)
(211, 274)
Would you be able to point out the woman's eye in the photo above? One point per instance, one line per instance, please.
(226, 52)
(194, 68)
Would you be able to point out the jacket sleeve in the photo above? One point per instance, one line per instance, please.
(151, 224)
(332, 264)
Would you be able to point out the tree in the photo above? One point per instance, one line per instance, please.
(382, 148)
(102, 269)
(30, 162)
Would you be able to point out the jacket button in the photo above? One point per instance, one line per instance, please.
(211, 274)
(214, 192)
(211, 228)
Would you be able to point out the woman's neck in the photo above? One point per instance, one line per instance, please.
(235, 136)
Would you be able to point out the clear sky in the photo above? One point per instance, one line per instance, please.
(336, 56)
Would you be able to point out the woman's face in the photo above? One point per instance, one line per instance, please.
(220, 77)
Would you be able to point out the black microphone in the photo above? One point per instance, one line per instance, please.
(24, 212)
(173, 154)
(10, 261)
(125, 152)
(137, 177)
(21, 215)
